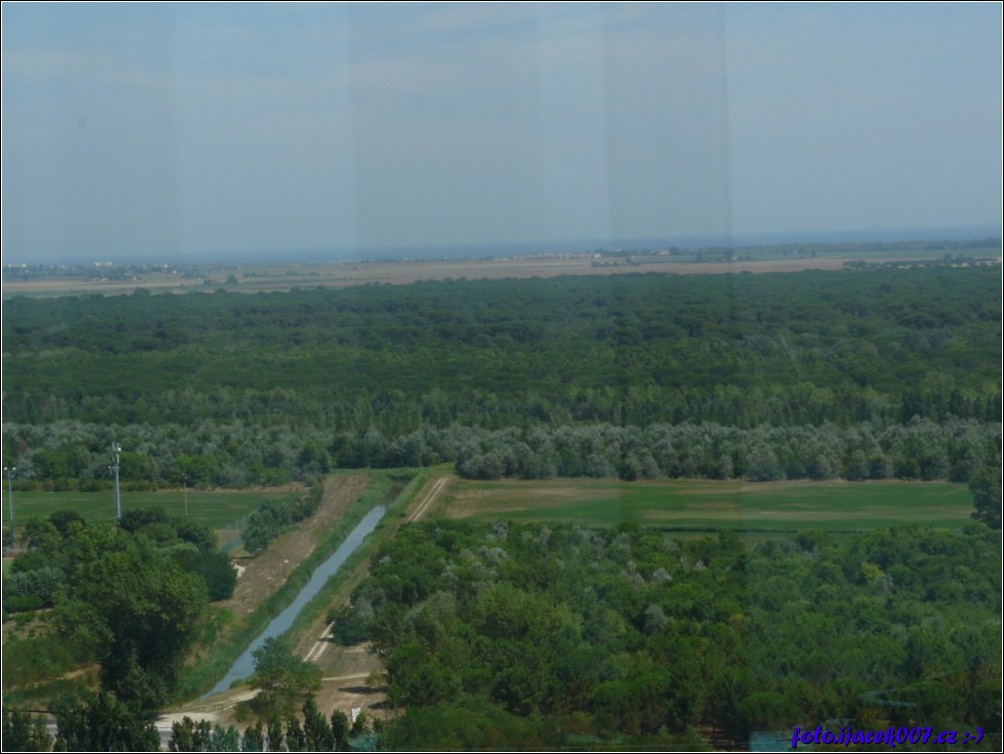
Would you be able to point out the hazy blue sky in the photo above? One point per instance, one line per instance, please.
(178, 130)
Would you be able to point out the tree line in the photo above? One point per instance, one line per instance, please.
(233, 389)
(878, 374)
(73, 455)
(99, 722)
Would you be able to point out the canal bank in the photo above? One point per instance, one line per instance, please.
(243, 667)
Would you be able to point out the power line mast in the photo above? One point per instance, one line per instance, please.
(10, 490)
(116, 449)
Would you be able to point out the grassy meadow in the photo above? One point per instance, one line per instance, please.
(710, 505)
(215, 508)
(684, 504)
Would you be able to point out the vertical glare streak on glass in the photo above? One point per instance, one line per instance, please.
(664, 121)
(574, 155)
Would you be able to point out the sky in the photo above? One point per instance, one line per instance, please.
(164, 132)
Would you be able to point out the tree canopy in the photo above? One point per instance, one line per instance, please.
(283, 679)
(532, 629)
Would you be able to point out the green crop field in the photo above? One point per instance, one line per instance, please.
(214, 508)
(709, 505)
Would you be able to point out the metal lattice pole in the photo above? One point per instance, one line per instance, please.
(116, 449)
(10, 490)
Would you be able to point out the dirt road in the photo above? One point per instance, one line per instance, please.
(432, 491)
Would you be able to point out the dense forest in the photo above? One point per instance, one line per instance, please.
(514, 636)
(857, 374)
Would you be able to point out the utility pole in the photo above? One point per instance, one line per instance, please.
(10, 490)
(116, 449)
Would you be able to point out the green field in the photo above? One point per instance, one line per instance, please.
(213, 508)
(710, 505)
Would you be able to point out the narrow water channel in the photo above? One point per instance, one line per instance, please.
(244, 666)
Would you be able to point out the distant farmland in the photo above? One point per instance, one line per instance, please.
(711, 505)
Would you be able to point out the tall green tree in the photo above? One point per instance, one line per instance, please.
(102, 723)
(986, 489)
(254, 738)
(23, 731)
(316, 728)
(189, 735)
(274, 736)
(137, 610)
(340, 729)
(284, 680)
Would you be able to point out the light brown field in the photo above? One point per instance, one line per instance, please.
(254, 278)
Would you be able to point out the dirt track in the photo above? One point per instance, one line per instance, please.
(432, 491)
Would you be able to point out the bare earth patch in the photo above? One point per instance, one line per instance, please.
(349, 681)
